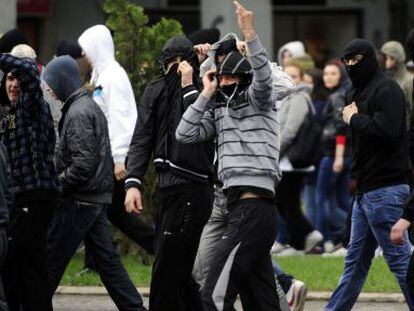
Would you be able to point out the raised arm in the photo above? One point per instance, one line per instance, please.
(197, 123)
(260, 92)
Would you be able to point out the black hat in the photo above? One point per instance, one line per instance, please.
(72, 49)
(236, 64)
(12, 38)
(204, 36)
(174, 47)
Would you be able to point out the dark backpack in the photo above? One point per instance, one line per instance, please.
(305, 149)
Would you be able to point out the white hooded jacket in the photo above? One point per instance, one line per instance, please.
(113, 90)
(295, 48)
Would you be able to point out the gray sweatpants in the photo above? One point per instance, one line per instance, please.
(212, 233)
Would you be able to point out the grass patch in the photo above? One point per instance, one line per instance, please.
(140, 274)
(322, 274)
(319, 273)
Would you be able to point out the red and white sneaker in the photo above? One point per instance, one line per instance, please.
(296, 296)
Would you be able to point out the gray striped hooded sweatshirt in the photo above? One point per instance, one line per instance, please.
(247, 135)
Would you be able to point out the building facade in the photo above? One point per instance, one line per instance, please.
(325, 26)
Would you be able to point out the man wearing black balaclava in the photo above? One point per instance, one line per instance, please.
(185, 173)
(376, 116)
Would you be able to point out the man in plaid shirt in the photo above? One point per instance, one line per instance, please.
(28, 134)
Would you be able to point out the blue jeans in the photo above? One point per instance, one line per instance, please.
(332, 199)
(373, 215)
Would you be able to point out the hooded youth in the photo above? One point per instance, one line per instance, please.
(83, 160)
(400, 73)
(379, 141)
(246, 129)
(295, 48)
(113, 90)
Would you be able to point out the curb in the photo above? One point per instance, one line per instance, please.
(312, 296)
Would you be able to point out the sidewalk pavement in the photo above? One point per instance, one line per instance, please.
(312, 296)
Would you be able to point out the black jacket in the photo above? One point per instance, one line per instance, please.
(379, 136)
(6, 186)
(159, 114)
(84, 160)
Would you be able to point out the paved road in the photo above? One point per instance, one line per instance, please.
(104, 303)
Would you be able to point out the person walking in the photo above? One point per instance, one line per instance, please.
(238, 99)
(85, 169)
(376, 116)
(114, 95)
(185, 174)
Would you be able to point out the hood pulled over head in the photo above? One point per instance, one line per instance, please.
(177, 46)
(98, 45)
(62, 74)
(295, 48)
(394, 49)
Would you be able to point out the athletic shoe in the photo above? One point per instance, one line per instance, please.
(312, 239)
(330, 247)
(290, 251)
(340, 252)
(277, 248)
(296, 296)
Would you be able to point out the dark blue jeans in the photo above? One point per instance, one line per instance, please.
(373, 215)
(332, 199)
(75, 222)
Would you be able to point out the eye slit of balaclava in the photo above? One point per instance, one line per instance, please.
(361, 72)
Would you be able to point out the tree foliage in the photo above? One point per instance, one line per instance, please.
(137, 45)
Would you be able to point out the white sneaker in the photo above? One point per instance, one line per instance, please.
(330, 247)
(296, 296)
(340, 252)
(379, 252)
(312, 239)
(277, 248)
(290, 251)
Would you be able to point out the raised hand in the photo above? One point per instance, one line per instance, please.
(245, 21)
(210, 84)
(186, 72)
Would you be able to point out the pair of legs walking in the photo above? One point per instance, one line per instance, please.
(241, 263)
(77, 221)
(182, 213)
(131, 225)
(373, 215)
(211, 236)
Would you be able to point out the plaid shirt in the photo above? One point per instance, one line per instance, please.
(27, 130)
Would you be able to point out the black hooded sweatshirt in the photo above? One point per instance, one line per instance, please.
(159, 113)
(379, 138)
